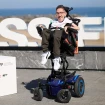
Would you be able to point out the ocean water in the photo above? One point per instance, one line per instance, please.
(88, 12)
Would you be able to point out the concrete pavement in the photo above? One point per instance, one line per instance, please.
(94, 89)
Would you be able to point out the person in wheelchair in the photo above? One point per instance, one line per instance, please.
(58, 35)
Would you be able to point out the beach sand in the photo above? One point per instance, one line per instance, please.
(99, 42)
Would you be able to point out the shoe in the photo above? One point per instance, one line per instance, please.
(45, 57)
(57, 63)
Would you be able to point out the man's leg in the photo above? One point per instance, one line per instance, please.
(57, 43)
(56, 49)
(45, 45)
(45, 39)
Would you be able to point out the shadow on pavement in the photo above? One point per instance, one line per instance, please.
(33, 84)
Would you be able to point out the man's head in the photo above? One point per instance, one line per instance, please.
(60, 13)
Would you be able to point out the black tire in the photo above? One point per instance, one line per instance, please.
(79, 87)
(64, 96)
(38, 94)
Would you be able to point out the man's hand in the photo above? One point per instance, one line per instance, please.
(65, 29)
(42, 26)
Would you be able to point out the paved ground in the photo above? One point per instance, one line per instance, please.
(94, 93)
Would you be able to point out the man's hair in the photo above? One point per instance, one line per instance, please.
(65, 8)
(60, 6)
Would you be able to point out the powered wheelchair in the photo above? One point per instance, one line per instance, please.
(63, 84)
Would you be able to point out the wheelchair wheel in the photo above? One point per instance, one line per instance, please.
(64, 96)
(79, 87)
(38, 94)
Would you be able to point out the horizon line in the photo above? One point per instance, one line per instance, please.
(51, 7)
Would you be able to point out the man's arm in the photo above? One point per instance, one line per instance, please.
(72, 25)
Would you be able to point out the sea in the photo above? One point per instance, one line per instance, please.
(82, 11)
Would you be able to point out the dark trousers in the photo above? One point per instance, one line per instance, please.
(57, 35)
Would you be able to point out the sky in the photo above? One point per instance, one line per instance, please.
(10, 4)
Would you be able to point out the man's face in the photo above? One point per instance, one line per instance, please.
(60, 14)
